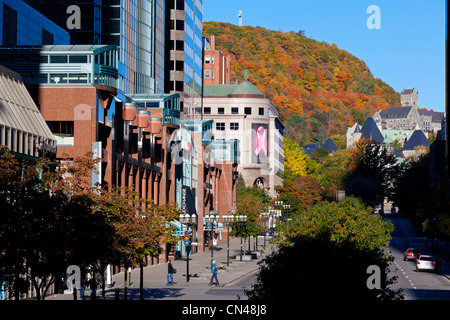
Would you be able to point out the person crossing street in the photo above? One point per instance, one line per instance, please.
(214, 271)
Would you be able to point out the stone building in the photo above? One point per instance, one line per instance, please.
(241, 112)
(408, 116)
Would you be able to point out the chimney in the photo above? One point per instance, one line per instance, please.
(212, 41)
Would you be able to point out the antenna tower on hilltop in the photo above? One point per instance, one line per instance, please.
(240, 18)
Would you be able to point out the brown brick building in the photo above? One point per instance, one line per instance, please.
(216, 64)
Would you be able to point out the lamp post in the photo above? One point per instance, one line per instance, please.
(189, 220)
(228, 219)
(264, 215)
(212, 219)
(241, 219)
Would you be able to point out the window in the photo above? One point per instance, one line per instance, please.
(212, 59)
(179, 65)
(78, 78)
(180, 24)
(61, 127)
(247, 110)
(235, 110)
(207, 74)
(9, 26)
(78, 59)
(179, 85)
(221, 110)
(58, 78)
(63, 132)
(179, 45)
(47, 37)
(220, 126)
(206, 110)
(207, 59)
(180, 4)
(58, 59)
(234, 126)
(261, 111)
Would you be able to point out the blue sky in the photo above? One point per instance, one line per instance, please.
(408, 51)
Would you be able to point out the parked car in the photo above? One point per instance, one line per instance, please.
(411, 254)
(426, 262)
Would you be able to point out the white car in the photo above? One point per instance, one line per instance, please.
(426, 262)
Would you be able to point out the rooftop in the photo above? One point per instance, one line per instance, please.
(244, 89)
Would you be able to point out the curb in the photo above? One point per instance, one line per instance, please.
(239, 278)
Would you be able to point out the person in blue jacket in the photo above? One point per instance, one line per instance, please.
(214, 271)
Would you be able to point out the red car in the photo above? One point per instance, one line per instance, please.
(411, 254)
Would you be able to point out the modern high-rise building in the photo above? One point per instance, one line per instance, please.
(136, 27)
(183, 69)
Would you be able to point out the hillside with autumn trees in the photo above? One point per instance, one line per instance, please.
(319, 89)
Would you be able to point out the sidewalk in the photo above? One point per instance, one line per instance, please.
(155, 276)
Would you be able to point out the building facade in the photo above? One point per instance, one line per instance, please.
(216, 64)
(22, 128)
(408, 116)
(241, 112)
(183, 68)
(136, 27)
(20, 25)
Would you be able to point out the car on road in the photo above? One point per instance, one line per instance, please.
(426, 262)
(411, 254)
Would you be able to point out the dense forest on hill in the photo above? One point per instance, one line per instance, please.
(319, 89)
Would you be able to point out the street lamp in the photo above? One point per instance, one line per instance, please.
(228, 219)
(241, 219)
(264, 215)
(188, 220)
(212, 219)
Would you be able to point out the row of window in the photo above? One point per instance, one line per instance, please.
(209, 59)
(234, 110)
(220, 126)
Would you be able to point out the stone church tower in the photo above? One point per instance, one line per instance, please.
(410, 98)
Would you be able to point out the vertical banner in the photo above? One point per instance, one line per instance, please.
(97, 171)
(260, 137)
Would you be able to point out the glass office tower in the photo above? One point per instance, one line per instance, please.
(136, 27)
(184, 54)
(20, 24)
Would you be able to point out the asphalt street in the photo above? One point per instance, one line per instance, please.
(234, 278)
(415, 285)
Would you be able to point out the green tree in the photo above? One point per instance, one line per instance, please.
(339, 240)
(300, 194)
(333, 171)
(250, 201)
(371, 166)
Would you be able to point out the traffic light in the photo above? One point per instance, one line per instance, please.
(187, 238)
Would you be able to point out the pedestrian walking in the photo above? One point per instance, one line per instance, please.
(93, 287)
(170, 271)
(82, 287)
(214, 271)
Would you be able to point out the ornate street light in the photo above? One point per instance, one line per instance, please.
(212, 219)
(264, 215)
(228, 220)
(241, 219)
(188, 220)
